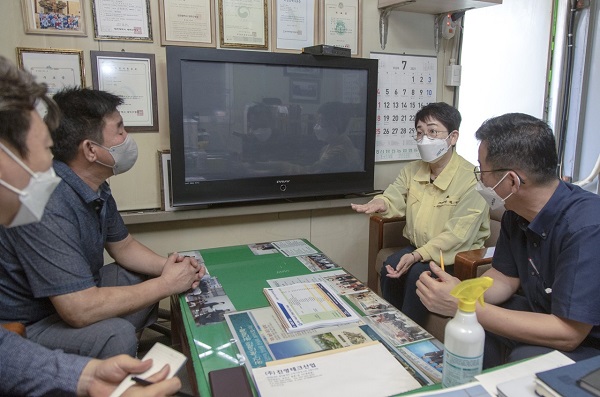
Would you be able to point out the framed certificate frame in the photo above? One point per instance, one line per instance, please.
(244, 23)
(57, 68)
(164, 168)
(341, 24)
(127, 20)
(187, 23)
(305, 90)
(294, 25)
(131, 76)
(60, 18)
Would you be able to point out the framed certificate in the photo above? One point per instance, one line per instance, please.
(54, 17)
(122, 20)
(294, 25)
(187, 23)
(244, 23)
(304, 90)
(133, 78)
(57, 68)
(341, 24)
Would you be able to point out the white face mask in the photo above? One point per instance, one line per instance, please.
(490, 195)
(262, 134)
(321, 133)
(34, 196)
(431, 150)
(124, 155)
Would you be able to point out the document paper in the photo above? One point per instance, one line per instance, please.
(367, 370)
(309, 305)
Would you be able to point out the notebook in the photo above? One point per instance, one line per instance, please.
(563, 381)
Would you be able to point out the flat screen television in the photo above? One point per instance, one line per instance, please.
(250, 126)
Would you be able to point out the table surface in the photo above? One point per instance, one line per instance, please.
(243, 275)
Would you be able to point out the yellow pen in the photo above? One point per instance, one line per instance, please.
(442, 261)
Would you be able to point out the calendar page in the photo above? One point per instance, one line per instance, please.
(405, 84)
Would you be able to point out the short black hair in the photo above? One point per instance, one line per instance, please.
(83, 112)
(19, 94)
(260, 115)
(520, 141)
(335, 115)
(448, 115)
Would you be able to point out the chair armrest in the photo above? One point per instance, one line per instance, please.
(377, 241)
(17, 328)
(467, 262)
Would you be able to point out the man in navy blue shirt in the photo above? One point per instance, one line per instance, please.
(546, 265)
(52, 273)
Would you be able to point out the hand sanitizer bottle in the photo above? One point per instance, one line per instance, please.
(464, 337)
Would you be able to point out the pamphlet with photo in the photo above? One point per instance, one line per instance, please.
(309, 305)
(317, 262)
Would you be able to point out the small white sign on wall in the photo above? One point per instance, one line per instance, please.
(405, 84)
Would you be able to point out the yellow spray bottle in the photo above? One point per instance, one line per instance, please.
(464, 337)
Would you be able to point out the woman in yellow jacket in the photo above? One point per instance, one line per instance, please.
(444, 212)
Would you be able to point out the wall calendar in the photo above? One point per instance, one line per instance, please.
(405, 84)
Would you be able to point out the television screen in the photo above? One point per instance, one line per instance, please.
(250, 126)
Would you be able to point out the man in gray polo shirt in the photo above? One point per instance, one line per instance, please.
(52, 276)
(26, 182)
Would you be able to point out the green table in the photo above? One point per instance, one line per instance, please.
(243, 275)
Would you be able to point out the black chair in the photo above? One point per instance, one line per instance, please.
(163, 324)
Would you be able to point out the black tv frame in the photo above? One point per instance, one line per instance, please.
(272, 188)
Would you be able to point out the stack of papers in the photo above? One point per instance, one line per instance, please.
(309, 305)
(565, 381)
(514, 380)
(364, 370)
(518, 380)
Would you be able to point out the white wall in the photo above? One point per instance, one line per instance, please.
(504, 62)
(504, 70)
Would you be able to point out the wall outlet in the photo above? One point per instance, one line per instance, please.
(453, 75)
